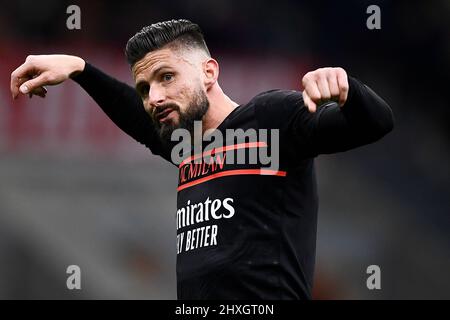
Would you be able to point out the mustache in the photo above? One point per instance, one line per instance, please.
(157, 110)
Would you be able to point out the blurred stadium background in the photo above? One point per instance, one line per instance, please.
(76, 190)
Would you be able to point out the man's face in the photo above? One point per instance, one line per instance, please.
(169, 82)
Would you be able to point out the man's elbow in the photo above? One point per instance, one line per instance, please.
(384, 123)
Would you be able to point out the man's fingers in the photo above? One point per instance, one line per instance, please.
(27, 79)
(334, 87)
(40, 91)
(312, 90)
(311, 105)
(342, 80)
(324, 89)
(19, 82)
(35, 85)
(326, 84)
(18, 76)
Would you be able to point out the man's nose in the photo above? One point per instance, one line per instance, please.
(156, 96)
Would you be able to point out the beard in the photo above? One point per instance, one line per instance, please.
(196, 109)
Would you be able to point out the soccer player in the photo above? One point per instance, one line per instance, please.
(243, 231)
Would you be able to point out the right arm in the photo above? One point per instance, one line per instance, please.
(119, 101)
(122, 105)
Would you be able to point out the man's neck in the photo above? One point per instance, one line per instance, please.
(220, 107)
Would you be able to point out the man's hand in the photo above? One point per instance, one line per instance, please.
(323, 85)
(38, 71)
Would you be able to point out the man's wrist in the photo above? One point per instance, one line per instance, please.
(78, 67)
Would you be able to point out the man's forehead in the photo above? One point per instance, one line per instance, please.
(153, 59)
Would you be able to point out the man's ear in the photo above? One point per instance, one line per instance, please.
(211, 72)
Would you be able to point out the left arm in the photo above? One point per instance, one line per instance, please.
(357, 117)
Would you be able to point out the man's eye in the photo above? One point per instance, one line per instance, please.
(143, 91)
(167, 76)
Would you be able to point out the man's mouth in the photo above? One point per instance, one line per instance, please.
(163, 115)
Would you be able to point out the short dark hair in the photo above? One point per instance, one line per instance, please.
(157, 35)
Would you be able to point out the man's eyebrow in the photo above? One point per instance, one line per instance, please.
(156, 71)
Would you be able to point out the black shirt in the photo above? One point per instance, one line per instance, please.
(246, 231)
